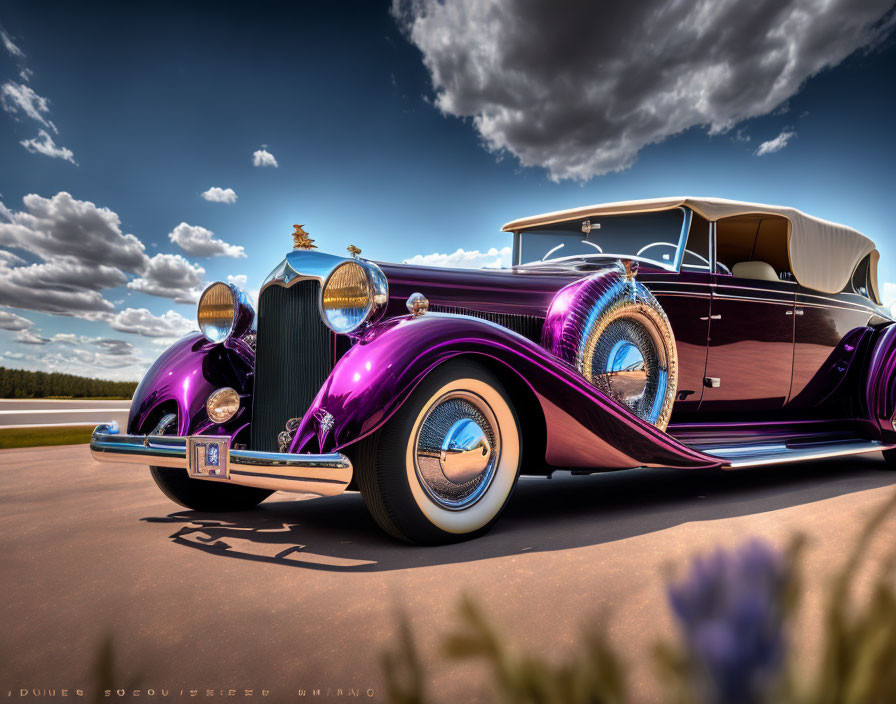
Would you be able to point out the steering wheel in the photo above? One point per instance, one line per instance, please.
(686, 251)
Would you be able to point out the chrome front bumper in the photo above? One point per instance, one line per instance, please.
(324, 475)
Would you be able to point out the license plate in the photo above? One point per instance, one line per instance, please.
(207, 457)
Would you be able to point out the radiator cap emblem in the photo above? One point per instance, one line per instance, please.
(301, 239)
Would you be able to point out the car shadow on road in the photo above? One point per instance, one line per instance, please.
(337, 534)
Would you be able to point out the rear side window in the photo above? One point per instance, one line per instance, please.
(860, 282)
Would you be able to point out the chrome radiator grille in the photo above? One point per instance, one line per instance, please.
(293, 358)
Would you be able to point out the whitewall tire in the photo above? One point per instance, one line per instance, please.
(444, 466)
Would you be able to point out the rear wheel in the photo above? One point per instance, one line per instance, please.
(444, 466)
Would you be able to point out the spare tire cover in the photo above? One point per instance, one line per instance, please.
(612, 329)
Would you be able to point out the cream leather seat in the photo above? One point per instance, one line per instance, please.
(754, 270)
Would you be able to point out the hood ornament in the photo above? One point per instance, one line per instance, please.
(354, 251)
(301, 239)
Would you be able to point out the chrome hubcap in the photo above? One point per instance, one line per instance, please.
(626, 371)
(466, 452)
(457, 449)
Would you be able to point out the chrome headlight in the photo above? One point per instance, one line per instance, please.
(354, 293)
(224, 310)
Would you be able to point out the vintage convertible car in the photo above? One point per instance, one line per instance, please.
(680, 332)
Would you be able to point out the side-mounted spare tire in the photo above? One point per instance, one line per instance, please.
(612, 329)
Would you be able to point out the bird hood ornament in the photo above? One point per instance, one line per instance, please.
(301, 239)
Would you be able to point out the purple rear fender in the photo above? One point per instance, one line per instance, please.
(880, 387)
(182, 379)
(583, 427)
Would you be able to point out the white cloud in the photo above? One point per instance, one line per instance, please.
(18, 97)
(67, 275)
(11, 321)
(776, 144)
(66, 338)
(139, 321)
(26, 74)
(202, 243)
(9, 259)
(10, 46)
(888, 296)
(63, 226)
(30, 336)
(33, 287)
(14, 355)
(44, 144)
(220, 195)
(170, 276)
(116, 348)
(84, 250)
(262, 157)
(465, 259)
(581, 91)
(238, 280)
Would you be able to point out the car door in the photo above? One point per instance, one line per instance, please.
(750, 346)
(685, 298)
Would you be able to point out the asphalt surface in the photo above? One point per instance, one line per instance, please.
(303, 593)
(24, 413)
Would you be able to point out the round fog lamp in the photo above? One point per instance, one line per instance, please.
(223, 404)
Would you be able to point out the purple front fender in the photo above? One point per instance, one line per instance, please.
(182, 379)
(584, 428)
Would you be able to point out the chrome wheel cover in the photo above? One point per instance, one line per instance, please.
(457, 449)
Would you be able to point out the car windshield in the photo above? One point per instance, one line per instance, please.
(650, 237)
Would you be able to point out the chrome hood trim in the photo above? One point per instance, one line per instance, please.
(300, 265)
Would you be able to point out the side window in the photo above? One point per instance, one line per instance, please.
(760, 240)
(696, 252)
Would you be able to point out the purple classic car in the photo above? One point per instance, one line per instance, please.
(678, 332)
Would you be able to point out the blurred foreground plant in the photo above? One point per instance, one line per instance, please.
(734, 609)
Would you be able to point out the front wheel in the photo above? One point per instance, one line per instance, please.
(890, 458)
(444, 466)
(202, 495)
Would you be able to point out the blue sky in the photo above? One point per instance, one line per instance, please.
(391, 138)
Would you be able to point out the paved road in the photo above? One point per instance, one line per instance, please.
(25, 413)
(303, 593)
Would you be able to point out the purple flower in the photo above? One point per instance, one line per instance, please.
(731, 612)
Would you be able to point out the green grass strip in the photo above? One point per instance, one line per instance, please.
(39, 437)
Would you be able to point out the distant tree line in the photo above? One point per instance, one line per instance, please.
(18, 383)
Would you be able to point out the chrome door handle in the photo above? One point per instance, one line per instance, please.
(798, 311)
(712, 317)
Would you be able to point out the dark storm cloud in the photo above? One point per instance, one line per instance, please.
(581, 88)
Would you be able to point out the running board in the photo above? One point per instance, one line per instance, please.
(779, 453)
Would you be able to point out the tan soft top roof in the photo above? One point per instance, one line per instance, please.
(823, 255)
